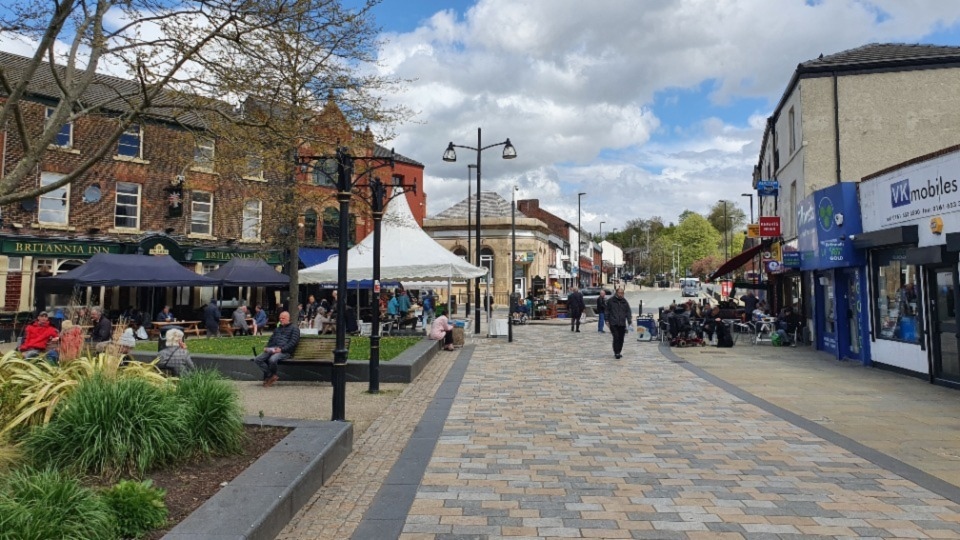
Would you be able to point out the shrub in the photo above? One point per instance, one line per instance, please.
(44, 504)
(110, 427)
(137, 506)
(213, 415)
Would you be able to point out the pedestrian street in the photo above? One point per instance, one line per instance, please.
(551, 437)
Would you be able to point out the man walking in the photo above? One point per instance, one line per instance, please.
(279, 347)
(211, 318)
(601, 309)
(618, 318)
(575, 307)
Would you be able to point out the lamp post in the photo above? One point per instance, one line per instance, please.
(579, 240)
(470, 168)
(616, 270)
(601, 252)
(339, 370)
(513, 263)
(676, 271)
(751, 204)
(450, 155)
(726, 226)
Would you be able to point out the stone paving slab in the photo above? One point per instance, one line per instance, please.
(550, 437)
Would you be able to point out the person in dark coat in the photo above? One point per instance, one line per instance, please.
(750, 301)
(102, 332)
(211, 318)
(619, 317)
(279, 347)
(575, 307)
(601, 309)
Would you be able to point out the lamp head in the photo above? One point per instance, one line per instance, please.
(450, 154)
(581, 194)
(509, 152)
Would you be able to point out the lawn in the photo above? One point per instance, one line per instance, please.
(390, 347)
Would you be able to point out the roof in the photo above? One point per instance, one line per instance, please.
(105, 91)
(381, 152)
(883, 56)
(491, 205)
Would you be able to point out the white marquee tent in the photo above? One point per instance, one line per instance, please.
(406, 254)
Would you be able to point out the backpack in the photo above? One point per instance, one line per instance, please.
(776, 339)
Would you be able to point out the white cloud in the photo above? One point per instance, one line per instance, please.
(572, 85)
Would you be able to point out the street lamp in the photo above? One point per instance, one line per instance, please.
(513, 263)
(751, 204)
(601, 251)
(676, 271)
(726, 226)
(470, 168)
(616, 271)
(579, 240)
(450, 155)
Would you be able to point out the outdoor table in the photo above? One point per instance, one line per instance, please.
(188, 326)
(226, 326)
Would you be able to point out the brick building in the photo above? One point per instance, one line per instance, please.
(168, 187)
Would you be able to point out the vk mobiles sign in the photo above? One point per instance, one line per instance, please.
(914, 193)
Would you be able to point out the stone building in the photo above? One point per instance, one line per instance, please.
(536, 251)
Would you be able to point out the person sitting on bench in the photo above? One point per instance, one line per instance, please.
(175, 358)
(279, 347)
(442, 329)
(239, 323)
(37, 336)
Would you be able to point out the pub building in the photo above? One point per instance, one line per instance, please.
(911, 213)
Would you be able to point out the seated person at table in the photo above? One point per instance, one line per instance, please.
(239, 324)
(711, 323)
(279, 347)
(102, 332)
(442, 329)
(37, 336)
(788, 325)
(324, 321)
(175, 358)
(71, 341)
(259, 320)
(133, 314)
(165, 315)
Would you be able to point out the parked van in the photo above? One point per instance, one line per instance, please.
(690, 287)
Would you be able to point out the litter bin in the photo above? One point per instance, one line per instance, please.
(453, 304)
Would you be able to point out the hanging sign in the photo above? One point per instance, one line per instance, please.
(768, 188)
(769, 226)
(753, 230)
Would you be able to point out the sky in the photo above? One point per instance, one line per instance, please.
(650, 107)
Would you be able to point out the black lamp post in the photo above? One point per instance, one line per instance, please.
(509, 152)
(513, 264)
(470, 168)
(339, 373)
(601, 252)
(751, 204)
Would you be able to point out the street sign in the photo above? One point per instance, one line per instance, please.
(768, 188)
(753, 230)
(769, 226)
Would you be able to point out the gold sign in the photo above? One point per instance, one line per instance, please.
(158, 250)
(753, 230)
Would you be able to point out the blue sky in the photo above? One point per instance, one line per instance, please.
(651, 107)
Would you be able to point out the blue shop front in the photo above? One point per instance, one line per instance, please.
(827, 222)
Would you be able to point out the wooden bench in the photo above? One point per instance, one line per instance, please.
(314, 350)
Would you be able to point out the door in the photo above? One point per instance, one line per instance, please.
(943, 324)
(853, 312)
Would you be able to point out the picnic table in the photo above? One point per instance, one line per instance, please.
(189, 327)
(226, 326)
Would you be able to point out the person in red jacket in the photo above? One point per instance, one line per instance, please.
(37, 336)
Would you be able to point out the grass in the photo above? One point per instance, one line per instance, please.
(390, 347)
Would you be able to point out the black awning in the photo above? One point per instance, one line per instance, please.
(738, 260)
(906, 234)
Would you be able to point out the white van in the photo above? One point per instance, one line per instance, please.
(690, 287)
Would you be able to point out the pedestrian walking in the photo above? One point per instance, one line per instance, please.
(618, 319)
(601, 309)
(575, 307)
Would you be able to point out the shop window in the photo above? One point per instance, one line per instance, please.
(898, 297)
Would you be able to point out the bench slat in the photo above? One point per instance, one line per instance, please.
(314, 351)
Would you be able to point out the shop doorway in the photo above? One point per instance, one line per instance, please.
(943, 324)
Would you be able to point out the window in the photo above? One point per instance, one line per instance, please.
(331, 227)
(486, 261)
(254, 166)
(201, 212)
(791, 214)
(251, 220)
(397, 180)
(791, 118)
(54, 205)
(130, 144)
(203, 153)
(15, 264)
(310, 226)
(127, 213)
(460, 252)
(898, 297)
(64, 137)
(325, 172)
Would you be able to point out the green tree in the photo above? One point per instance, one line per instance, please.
(697, 238)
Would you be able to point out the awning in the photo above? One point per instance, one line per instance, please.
(314, 256)
(738, 260)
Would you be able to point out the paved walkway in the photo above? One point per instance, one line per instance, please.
(551, 437)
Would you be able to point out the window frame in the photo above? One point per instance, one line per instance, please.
(792, 118)
(117, 204)
(67, 125)
(204, 153)
(882, 329)
(64, 198)
(258, 218)
(194, 211)
(128, 133)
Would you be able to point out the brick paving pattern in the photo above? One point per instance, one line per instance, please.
(551, 437)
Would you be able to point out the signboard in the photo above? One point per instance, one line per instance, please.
(825, 222)
(769, 226)
(725, 288)
(57, 249)
(771, 258)
(768, 188)
(791, 259)
(753, 230)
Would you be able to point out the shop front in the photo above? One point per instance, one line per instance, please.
(827, 223)
(913, 265)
